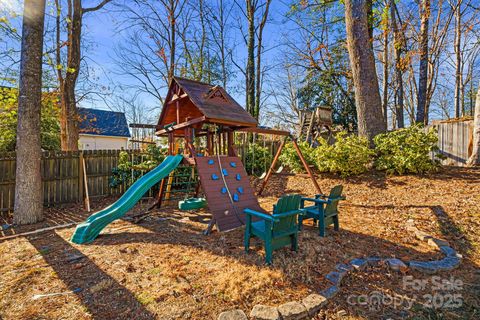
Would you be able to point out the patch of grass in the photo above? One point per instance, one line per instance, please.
(145, 298)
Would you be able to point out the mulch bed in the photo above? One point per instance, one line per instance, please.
(164, 268)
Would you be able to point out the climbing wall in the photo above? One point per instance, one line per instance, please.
(228, 216)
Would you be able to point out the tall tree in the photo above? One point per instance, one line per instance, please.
(28, 181)
(362, 61)
(68, 74)
(474, 159)
(458, 60)
(422, 115)
(398, 45)
(255, 40)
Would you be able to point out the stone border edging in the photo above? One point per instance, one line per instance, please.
(310, 305)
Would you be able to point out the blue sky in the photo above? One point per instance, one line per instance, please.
(100, 28)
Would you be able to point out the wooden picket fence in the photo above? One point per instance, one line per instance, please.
(454, 140)
(63, 176)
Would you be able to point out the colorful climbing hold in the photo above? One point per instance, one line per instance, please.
(225, 172)
(233, 164)
(235, 197)
(238, 177)
(214, 176)
(211, 161)
(240, 190)
(224, 190)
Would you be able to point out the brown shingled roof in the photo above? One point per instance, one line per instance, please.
(211, 101)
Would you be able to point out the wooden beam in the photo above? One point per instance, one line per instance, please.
(272, 166)
(264, 131)
(181, 125)
(230, 122)
(305, 165)
(177, 98)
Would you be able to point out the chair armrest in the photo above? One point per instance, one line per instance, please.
(320, 195)
(260, 215)
(288, 213)
(317, 201)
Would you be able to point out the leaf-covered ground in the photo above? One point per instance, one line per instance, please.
(164, 268)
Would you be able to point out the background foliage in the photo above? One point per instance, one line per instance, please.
(50, 126)
(406, 151)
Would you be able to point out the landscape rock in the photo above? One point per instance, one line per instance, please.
(262, 312)
(236, 314)
(397, 264)
(422, 236)
(446, 264)
(342, 267)
(313, 303)
(330, 292)
(293, 311)
(358, 263)
(434, 242)
(335, 277)
(374, 261)
(449, 251)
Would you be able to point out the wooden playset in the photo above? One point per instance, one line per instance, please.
(204, 118)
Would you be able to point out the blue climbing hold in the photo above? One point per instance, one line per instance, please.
(235, 197)
(233, 164)
(240, 190)
(211, 161)
(214, 177)
(199, 155)
(225, 172)
(224, 190)
(238, 177)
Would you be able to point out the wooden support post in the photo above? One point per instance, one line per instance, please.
(160, 193)
(305, 165)
(171, 142)
(230, 146)
(209, 144)
(272, 166)
(210, 226)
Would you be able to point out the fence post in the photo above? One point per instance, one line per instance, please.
(80, 176)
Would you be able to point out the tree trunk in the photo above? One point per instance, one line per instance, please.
(422, 115)
(28, 180)
(397, 51)
(385, 68)
(474, 159)
(367, 95)
(251, 58)
(458, 61)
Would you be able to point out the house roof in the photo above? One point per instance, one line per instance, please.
(103, 123)
(213, 102)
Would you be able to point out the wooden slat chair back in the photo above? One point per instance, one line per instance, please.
(324, 210)
(277, 230)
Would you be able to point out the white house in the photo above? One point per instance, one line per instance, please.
(102, 130)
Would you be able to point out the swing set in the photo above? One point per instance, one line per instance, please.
(205, 119)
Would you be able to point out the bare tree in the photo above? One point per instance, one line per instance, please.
(362, 61)
(398, 45)
(423, 68)
(68, 71)
(28, 180)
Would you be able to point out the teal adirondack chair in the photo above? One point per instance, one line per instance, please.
(277, 230)
(324, 210)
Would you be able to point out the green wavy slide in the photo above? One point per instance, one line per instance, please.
(87, 231)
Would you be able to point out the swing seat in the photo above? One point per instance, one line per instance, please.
(192, 204)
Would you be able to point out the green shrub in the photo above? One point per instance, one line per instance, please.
(257, 159)
(128, 171)
(406, 151)
(349, 155)
(289, 157)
